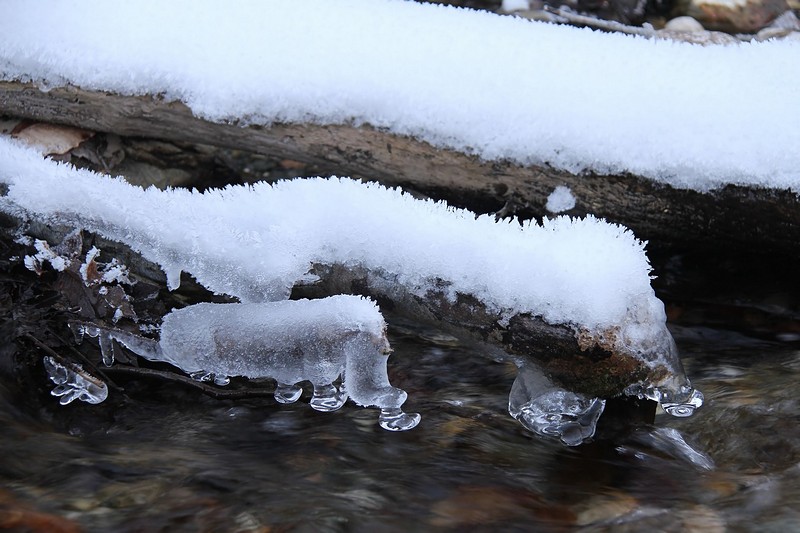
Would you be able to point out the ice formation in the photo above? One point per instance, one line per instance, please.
(251, 243)
(502, 88)
(74, 383)
(546, 409)
(290, 341)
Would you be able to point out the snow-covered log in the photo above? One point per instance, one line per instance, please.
(571, 295)
(754, 218)
(679, 142)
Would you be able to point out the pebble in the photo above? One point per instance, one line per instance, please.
(735, 16)
(605, 508)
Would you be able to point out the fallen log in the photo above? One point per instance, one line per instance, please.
(596, 328)
(730, 217)
(594, 369)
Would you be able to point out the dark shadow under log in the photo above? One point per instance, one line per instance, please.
(732, 217)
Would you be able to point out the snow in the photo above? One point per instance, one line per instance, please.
(560, 200)
(515, 5)
(256, 242)
(498, 87)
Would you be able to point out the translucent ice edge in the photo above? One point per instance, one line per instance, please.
(335, 339)
(73, 383)
(551, 411)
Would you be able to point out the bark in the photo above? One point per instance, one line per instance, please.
(729, 218)
(590, 369)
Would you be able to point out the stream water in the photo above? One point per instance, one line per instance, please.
(161, 457)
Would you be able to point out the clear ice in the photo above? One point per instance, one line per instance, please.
(551, 411)
(322, 341)
(74, 383)
(681, 401)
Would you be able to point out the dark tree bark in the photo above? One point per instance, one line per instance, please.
(732, 217)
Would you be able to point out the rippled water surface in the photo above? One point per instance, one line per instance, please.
(161, 457)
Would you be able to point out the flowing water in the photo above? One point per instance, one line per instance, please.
(162, 457)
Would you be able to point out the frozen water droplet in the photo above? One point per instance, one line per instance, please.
(78, 331)
(173, 274)
(394, 419)
(327, 398)
(58, 373)
(285, 393)
(104, 338)
(555, 414)
(200, 375)
(205, 376)
(74, 383)
(107, 349)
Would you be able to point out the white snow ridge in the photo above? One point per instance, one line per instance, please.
(499, 87)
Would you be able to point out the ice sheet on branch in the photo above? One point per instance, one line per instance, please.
(323, 341)
(256, 242)
(498, 87)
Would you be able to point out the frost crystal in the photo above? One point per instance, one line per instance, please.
(44, 254)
